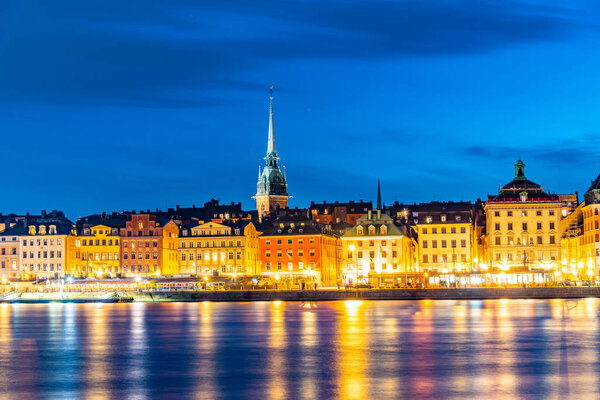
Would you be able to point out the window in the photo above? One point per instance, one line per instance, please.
(453, 244)
(424, 244)
(290, 241)
(552, 239)
(497, 227)
(551, 212)
(425, 258)
(510, 226)
(443, 218)
(424, 230)
(525, 226)
(496, 213)
(463, 243)
(443, 230)
(268, 266)
(509, 213)
(552, 225)
(523, 213)
(452, 230)
(435, 258)
(278, 241)
(538, 213)
(443, 244)
(498, 240)
(539, 226)
(433, 230)
(434, 244)
(279, 266)
(539, 240)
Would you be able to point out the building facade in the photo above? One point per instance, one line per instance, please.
(298, 249)
(523, 226)
(271, 189)
(377, 251)
(148, 246)
(219, 249)
(99, 251)
(446, 237)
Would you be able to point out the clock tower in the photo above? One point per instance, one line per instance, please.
(271, 189)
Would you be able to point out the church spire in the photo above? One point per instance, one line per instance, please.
(378, 194)
(271, 144)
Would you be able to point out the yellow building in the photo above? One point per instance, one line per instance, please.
(170, 243)
(219, 249)
(98, 249)
(446, 237)
(523, 229)
(377, 251)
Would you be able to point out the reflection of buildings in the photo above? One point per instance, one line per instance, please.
(377, 250)
(523, 225)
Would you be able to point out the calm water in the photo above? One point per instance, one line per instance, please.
(423, 349)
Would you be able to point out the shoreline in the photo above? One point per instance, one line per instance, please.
(311, 295)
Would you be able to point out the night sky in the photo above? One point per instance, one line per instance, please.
(111, 105)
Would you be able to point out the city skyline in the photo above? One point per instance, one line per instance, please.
(153, 106)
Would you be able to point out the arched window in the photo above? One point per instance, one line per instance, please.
(383, 229)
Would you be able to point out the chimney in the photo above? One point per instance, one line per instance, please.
(378, 214)
(43, 213)
(369, 214)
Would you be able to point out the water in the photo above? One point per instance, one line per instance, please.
(503, 349)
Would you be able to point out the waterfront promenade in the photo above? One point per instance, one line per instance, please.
(313, 295)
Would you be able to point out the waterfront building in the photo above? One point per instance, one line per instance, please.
(571, 241)
(339, 213)
(99, 249)
(447, 241)
(378, 251)
(210, 211)
(228, 248)
(149, 246)
(590, 243)
(46, 246)
(295, 249)
(9, 251)
(271, 189)
(523, 228)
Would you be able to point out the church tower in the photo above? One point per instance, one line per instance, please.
(271, 190)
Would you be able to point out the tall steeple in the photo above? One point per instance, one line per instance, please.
(378, 194)
(271, 144)
(271, 189)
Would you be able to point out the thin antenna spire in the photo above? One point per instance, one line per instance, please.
(271, 144)
(378, 194)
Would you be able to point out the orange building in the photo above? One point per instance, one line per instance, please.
(149, 246)
(296, 249)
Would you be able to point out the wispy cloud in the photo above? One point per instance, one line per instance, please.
(174, 54)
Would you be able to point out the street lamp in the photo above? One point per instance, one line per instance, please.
(352, 248)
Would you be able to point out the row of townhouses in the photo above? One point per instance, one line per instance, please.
(523, 234)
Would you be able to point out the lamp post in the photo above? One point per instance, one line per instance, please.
(352, 248)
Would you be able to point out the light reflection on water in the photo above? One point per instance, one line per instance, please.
(503, 349)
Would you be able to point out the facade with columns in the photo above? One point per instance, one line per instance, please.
(271, 189)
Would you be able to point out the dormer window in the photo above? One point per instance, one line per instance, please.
(383, 229)
(86, 231)
(184, 232)
(458, 218)
(237, 231)
(523, 196)
(371, 230)
(42, 229)
(32, 230)
(428, 220)
(360, 230)
(52, 229)
(443, 218)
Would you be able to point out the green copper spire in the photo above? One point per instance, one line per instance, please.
(520, 169)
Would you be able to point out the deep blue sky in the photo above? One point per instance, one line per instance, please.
(111, 105)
